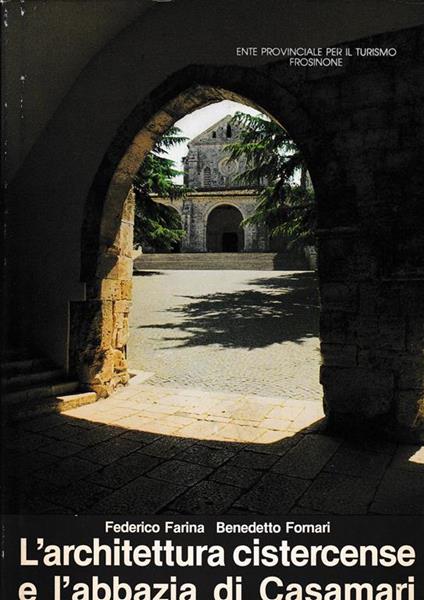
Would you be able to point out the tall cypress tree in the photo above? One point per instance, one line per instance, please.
(276, 168)
(156, 225)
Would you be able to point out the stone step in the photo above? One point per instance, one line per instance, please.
(33, 386)
(39, 392)
(27, 379)
(268, 261)
(28, 409)
(16, 354)
(212, 256)
(10, 368)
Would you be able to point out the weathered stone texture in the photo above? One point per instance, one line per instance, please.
(196, 208)
(206, 165)
(99, 334)
(339, 355)
(357, 391)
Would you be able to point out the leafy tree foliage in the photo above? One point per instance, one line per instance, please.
(158, 226)
(272, 162)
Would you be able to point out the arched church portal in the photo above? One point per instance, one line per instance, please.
(224, 230)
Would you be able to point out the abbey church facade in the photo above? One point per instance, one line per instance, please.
(213, 211)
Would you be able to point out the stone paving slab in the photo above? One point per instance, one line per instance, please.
(78, 496)
(372, 445)
(252, 460)
(109, 451)
(39, 505)
(208, 457)
(274, 494)
(94, 436)
(31, 488)
(67, 470)
(143, 496)
(166, 447)
(206, 498)
(110, 458)
(124, 470)
(62, 448)
(335, 493)
(180, 472)
(44, 423)
(276, 442)
(144, 437)
(26, 464)
(236, 476)
(307, 458)
(358, 463)
(62, 432)
(21, 441)
(400, 492)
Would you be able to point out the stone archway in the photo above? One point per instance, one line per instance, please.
(224, 231)
(99, 325)
(365, 387)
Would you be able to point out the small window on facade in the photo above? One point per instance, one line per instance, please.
(214, 134)
(206, 177)
(229, 132)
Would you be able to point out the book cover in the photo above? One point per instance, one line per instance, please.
(213, 311)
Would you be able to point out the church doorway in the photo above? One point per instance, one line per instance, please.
(224, 230)
(230, 241)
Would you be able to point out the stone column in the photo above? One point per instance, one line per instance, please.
(199, 225)
(372, 336)
(100, 325)
(186, 216)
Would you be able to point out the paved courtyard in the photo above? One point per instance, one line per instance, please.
(254, 332)
(154, 450)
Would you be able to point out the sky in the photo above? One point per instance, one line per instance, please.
(199, 120)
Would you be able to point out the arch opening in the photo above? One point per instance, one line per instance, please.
(224, 230)
(100, 326)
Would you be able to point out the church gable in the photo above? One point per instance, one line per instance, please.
(206, 165)
(221, 132)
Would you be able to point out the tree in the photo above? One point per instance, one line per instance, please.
(156, 225)
(273, 161)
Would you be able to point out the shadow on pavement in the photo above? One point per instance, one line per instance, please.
(147, 273)
(285, 309)
(62, 464)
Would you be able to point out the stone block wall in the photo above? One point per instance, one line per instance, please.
(196, 207)
(370, 240)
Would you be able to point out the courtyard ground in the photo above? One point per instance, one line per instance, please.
(254, 332)
(225, 417)
(154, 450)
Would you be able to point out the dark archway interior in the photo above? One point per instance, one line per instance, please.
(230, 240)
(224, 231)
